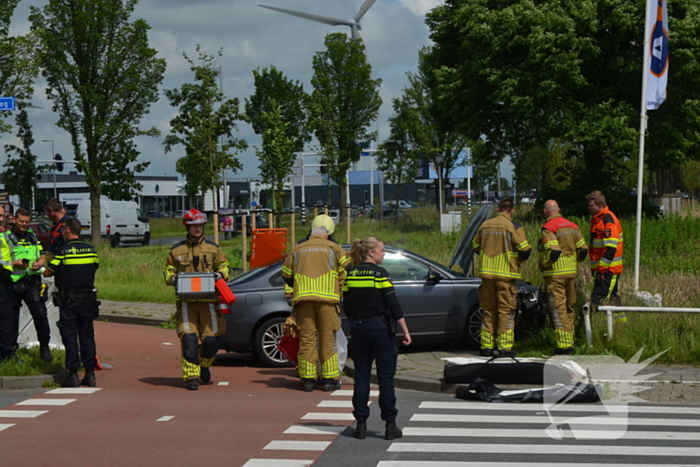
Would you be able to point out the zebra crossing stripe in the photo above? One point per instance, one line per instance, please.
(508, 464)
(328, 416)
(600, 420)
(610, 408)
(568, 449)
(55, 402)
(21, 413)
(520, 433)
(336, 404)
(73, 390)
(5, 426)
(348, 393)
(297, 445)
(314, 430)
(278, 463)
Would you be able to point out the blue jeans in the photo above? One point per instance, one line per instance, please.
(371, 341)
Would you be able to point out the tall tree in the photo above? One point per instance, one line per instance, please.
(102, 78)
(277, 153)
(273, 89)
(523, 74)
(344, 103)
(20, 176)
(690, 174)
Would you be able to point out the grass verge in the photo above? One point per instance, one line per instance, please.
(32, 364)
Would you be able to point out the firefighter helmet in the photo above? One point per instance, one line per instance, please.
(194, 217)
(323, 221)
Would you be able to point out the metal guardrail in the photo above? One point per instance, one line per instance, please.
(609, 310)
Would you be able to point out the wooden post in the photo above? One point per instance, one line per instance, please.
(349, 210)
(293, 230)
(244, 242)
(253, 220)
(271, 219)
(315, 211)
(216, 217)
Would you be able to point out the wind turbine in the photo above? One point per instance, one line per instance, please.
(353, 23)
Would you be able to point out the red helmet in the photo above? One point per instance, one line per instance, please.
(193, 217)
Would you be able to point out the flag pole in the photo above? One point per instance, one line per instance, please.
(642, 135)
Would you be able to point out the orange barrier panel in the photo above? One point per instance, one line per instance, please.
(268, 247)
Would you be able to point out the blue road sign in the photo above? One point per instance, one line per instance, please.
(7, 103)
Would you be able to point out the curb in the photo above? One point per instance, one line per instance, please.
(409, 382)
(139, 320)
(31, 382)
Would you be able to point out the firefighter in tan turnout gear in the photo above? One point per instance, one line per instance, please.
(315, 269)
(197, 319)
(561, 248)
(502, 246)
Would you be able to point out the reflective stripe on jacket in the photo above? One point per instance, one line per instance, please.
(607, 242)
(498, 242)
(559, 234)
(27, 247)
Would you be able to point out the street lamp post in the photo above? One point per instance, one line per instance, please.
(438, 163)
(55, 191)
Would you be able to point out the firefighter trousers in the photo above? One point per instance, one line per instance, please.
(198, 321)
(318, 323)
(497, 300)
(561, 297)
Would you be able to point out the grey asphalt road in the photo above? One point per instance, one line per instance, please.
(10, 397)
(440, 430)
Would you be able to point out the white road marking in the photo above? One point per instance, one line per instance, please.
(6, 426)
(348, 392)
(297, 445)
(327, 416)
(314, 430)
(569, 449)
(610, 408)
(74, 391)
(165, 418)
(277, 463)
(21, 413)
(338, 404)
(598, 420)
(223, 383)
(46, 402)
(507, 464)
(168, 343)
(520, 433)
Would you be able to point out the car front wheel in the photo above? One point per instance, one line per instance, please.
(472, 336)
(266, 340)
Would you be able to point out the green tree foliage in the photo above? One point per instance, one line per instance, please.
(18, 59)
(200, 124)
(277, 153)
(522, 74)
(102, 78)
(344, 103)
(690, 174)
(20, 176)
(273, 89)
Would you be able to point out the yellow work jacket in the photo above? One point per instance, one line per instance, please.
(202, 256)
(561, 247)
(498, 242)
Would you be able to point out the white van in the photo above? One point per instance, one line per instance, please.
(121, 222)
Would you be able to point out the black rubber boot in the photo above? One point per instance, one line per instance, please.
(392, 431)
(192, 384)
(205, 374)
(331, 385)
(360, 430)
(89, 379)
(45, 353)
(72, 380)
(309, 384)
(486, 352)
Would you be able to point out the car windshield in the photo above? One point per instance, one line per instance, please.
(244, 276)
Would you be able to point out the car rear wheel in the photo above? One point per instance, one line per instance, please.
(472, 337)
(146, 239)
(266, 340)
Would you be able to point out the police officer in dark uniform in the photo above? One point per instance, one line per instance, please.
(371, 305)
(74, 265)
(27, 256)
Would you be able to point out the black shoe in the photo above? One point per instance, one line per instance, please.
(15, 358)
(45, 353)
(309, 385)
(192, 384)
(89, 379)
(506, 353)
(486, 352)
(205, 374)
(392, 431)
(360, 430)
(566, 351)
(72, 380)
(332, 385)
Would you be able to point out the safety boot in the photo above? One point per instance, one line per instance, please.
(89, 379)
(566, 351)
(205, 374)
(486, 352)
(45, 353)
(309, 384)
(192, 384)
(360, 430)
(331, 385)
(72, 380)
(392, 431)
(506, 353)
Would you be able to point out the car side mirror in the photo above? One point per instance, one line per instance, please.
(434, 277)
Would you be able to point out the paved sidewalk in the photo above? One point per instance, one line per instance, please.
(423, 371)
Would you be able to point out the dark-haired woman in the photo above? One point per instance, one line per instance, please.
(371, 305)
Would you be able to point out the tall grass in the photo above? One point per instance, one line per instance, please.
(670, 263)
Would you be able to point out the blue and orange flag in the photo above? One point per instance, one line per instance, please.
(657, 79)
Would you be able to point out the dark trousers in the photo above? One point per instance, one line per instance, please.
(8, 335)
(371, 341)
(606, 287)
(27, 290)
(78, 334)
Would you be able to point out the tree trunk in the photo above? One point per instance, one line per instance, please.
(342, 203)
(95, 214)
